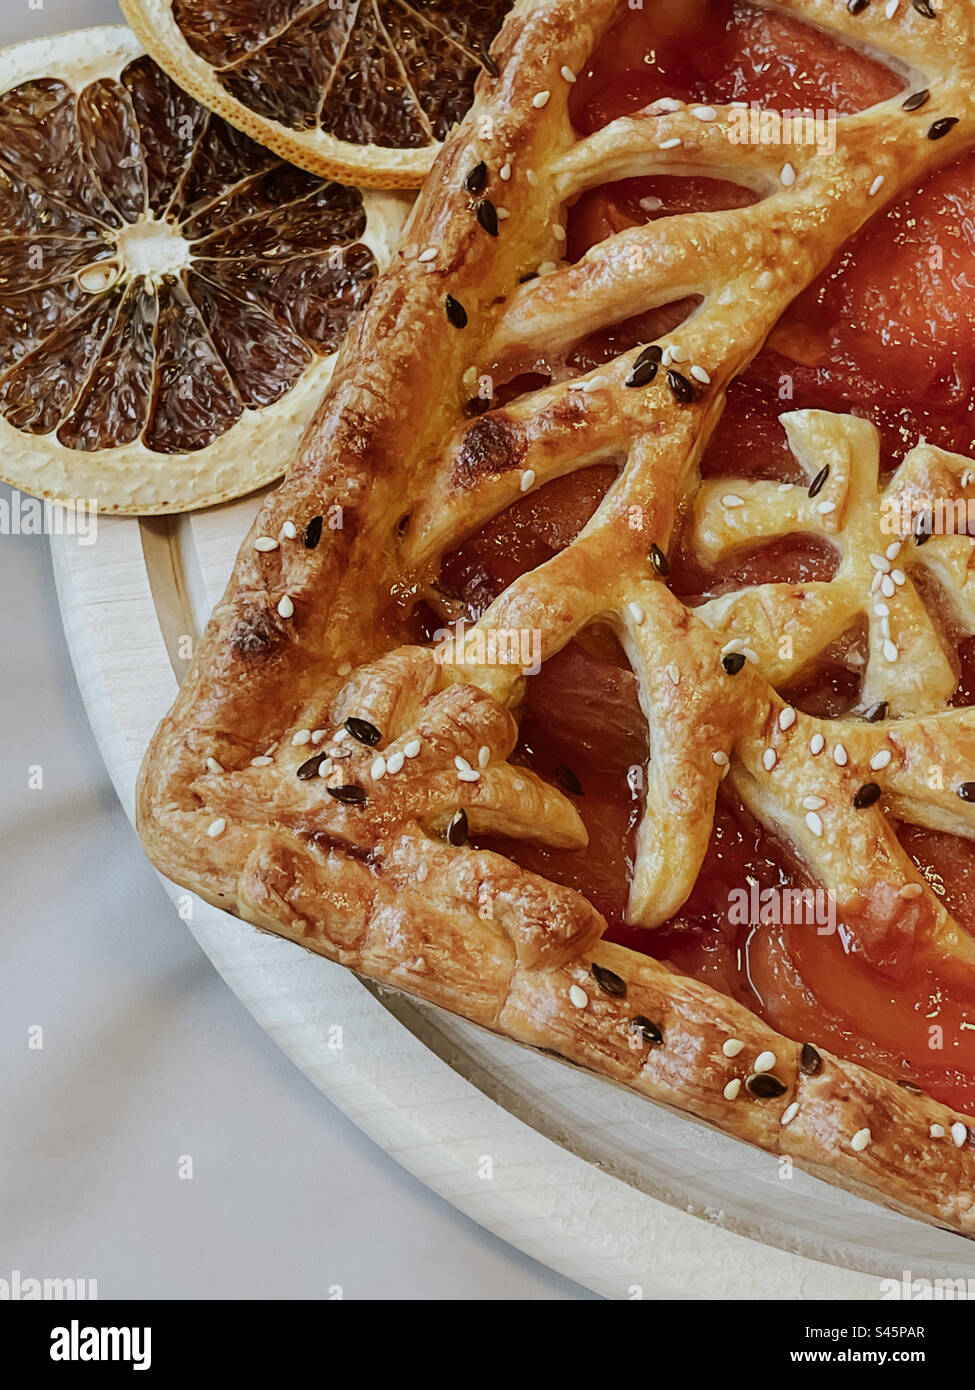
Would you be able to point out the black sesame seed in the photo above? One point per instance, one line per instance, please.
(608, 980)
(659, 561)
(942, 127)
(764, 1086)
(925, 8)
(524, 279)
(351, 795)
(875, 712)
(810, 1062)
(643, 373)
(310, 768)
(923, 528)
(487, 215)
(313, 532)
(733, 662)
(966, 791)
(362, 731)
(477, 178)
(567, 779)
(911, 1086)
(916, 100)
(647, 1029)
(456, 312)
(681, 387)
(866, 796)
(402, 525)
(819, 482)
(458, 829)
(489, 65)
(857, 6)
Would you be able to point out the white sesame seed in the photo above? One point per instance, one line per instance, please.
(558, 231)
(816, 744)
(213, 765)
(880, 562)
(540, 99)
(412, 748)
(731, 499)
(289, 530)
(635, 613)
(959, 1133)
(430, 254)
(421, 872)
(340, 735)
(840, 755)
(345, 669)
(216, 828)
(875, 582)
(472, 775)
(378, 768)
(890, 9)
(887, 586)
(881, 610)
(669, 144)
(733, 1088)
(788, 175)
(765, 1061)
(664, 105)
(750, 654)
(503, 214)
(890, 651)
(719, 758)
(504, 173)
(813, 803)
(880, 760)
(824, 508)
(787, 717)
(911, 890)
(567, 73)
(461, 764)
(789, 1113)
(734, 645)
(527, 479)
(876, 186)
(324, 767)
(704, 113)
(665, 357)
(860, 1140)
(532, 177)
(262, 761)
(579, 997)
(699, 374)
(483, 755)
(286, 608)
(677, 353)
(784, 487)
(814, 823)
(893, 550)
(651, 204)
(394, 763)
(674, 674)
(937, 1131)
(317, 735)
(732, 1046)
(898, 576)
(265, 543)
(300, 738)
(769, 759)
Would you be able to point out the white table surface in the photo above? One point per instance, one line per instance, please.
(147, 1056)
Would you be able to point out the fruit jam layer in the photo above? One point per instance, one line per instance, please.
(883, 334)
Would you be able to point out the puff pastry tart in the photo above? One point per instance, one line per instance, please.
(606, 610)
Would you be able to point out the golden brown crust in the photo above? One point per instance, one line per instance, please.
(379, 877)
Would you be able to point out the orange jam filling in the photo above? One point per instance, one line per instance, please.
(884, 333)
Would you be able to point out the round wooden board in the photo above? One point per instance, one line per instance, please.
(614, 1192)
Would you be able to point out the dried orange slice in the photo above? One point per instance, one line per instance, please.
(172, 294)
(362, 90)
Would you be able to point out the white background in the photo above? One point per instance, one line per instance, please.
(147, 1055)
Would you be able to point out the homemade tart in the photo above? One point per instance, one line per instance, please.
(553, 443)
